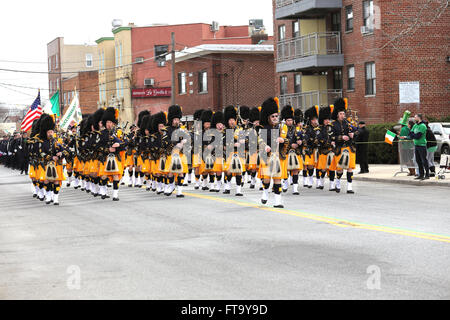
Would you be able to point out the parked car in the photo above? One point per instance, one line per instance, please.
(441, 131)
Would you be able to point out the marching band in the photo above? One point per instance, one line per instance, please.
(263, 146)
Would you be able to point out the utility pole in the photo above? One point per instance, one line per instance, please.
(173, 68)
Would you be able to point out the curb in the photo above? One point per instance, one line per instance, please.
(407, 182)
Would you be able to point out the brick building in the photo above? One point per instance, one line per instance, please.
(86, 84)
(66, 60)
(368, 51)
(213, 76)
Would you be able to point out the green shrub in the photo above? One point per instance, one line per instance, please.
(442, 119)
(381, 152)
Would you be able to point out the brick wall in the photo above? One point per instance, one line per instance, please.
(86, 83)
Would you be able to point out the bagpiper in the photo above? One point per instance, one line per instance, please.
(310, 150)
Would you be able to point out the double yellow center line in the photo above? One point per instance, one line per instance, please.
(334, 221)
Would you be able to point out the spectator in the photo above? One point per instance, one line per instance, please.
(407, 149)
(431, 149)
(362, 147)
(419, 135)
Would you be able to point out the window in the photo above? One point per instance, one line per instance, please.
(368, 14)
(295, 29)
(116, 54)
(50, 63)
(298, 83)
(283, 85)
(349, 18)
(160, 51)
(371, 88)
(337, 79)
(351, 77)
(89, 60)
(57, 84)
(182, 82)
(117, 88)
(56, 61)
(203, 82)
(281, 32)
(121, 88)
(336, 22)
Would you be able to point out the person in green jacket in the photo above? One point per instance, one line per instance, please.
(407, 147)
(419, 135)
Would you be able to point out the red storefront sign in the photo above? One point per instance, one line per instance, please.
(151, 92)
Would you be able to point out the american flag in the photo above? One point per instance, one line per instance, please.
(35, 112)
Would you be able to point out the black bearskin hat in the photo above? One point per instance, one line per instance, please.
(269, 107)
(35, 127)
(217, 118)
(298, 116)
(198, 114)
(90, 122)
(47, 124)
(287, 113)
(158, 118)
(110, 114)
(174, 112)
(339, 105)
(312, 113)
(325, 113)
(145, 124)
(254, 114)
(229, 113)
(97, 118)
(206, 116)
(141, 115)
(244, 112)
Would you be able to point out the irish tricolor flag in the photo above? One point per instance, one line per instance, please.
(390, 136)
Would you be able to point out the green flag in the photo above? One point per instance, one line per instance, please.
(55, 104)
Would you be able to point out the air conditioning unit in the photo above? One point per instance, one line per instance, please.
(161, 63)
(215, 26)
(366, 29)
(140, 60)
(149, 82)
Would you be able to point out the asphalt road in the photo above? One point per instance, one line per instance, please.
(384, 242)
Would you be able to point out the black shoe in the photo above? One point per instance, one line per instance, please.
(34, 195)
(103, 197)
(82, 189)
(41, 199)
(296, 193)
(196, 188)
(252, 186)
(227, 192)
(426, 178)
(309, 187)
(333, 189)
(432, 175)
(68, 185)
(279, 206)
(95, 195)
(76, 188)
(88, 191)
(122, 183)
(305, 186)
(48, 202)
(115, 199)
(263, 201)
(130, 185)
(180, 195)
(154, 190)
(212, 190)
(419, 178)
(239, 195)
(56, 204)
(205, 188)
(350, 191)
(148, 189)
(338, 190)
(285, 190)
(261, 188)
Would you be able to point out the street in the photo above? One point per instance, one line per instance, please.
(387, 241)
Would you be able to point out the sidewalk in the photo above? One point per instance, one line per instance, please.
(386, 173)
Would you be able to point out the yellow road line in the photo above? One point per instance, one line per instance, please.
(334, 221)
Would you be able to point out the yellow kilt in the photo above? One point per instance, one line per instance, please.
(217, 167)
(184, 164)
(253, 165)
(76, 164)
(146, 166)
(122, 156)
(196, 160)
(87, 168)
(264, 169)
(129, 159)
(40, 173)
(227, 164)
(32, 172)
(322, 164)
(352, 162)
(299, 159)
(153, 166)
(69, 166)
(118, 172)
(93, 167)
(309, 160)
(140, 161)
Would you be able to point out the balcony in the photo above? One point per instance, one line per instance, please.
(306, 100)
(311, 52)
(298, 9)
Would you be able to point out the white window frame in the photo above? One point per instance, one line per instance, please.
(182, 76)
(203, 83)
(89, 58)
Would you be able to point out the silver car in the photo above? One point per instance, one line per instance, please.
(441, 131)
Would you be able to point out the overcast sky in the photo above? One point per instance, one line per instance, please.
(27, 26)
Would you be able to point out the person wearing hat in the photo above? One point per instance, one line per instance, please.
(362, 148)
(33, 152)
(69, 141)
(176, 164)
(203, 171)
(326, 161)
(96, 127)
(51, 156)
(343, 136)
(244, 123)
(273, 165)
(234, 165)
(109, 147)
(295, 163)
(216, 150)
(159, 139)
(252, 166)
(196, 138)
(312, 132)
